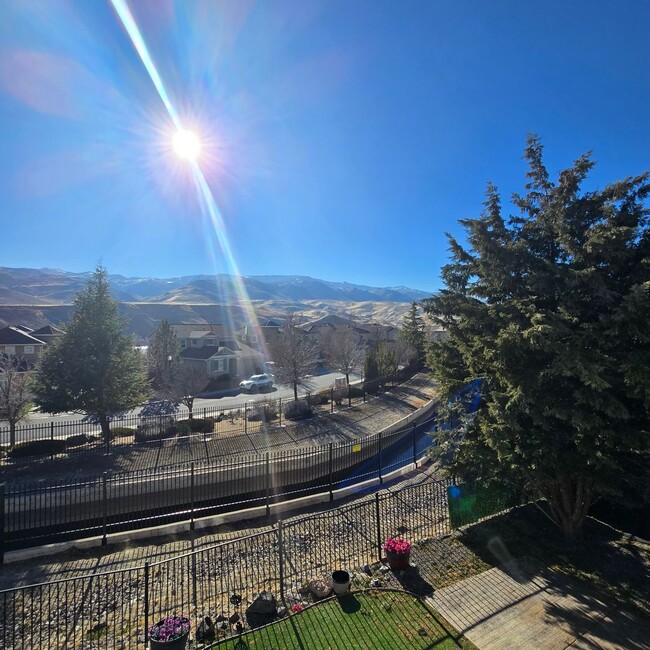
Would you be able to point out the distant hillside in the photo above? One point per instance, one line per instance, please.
(52, 287)
(38, 297)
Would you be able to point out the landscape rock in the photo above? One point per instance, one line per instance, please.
(264, 604)
(321, 586)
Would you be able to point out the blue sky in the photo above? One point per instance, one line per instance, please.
(340, 139)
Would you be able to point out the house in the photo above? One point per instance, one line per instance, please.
(47, 334)
(17, 342)
(210, 347)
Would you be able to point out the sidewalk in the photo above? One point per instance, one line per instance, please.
(522, 604)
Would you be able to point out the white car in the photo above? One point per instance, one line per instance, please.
(256, 382)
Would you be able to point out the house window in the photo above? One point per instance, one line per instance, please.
(209, 341)
(10, 349)
(183, 344)
(195, 342)
(217, 365)
(29, 349)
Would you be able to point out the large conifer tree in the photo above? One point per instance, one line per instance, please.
(92, 367)
(552, 308)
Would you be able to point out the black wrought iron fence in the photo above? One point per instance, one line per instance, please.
(82, 435)
(47, 511)
(114, 609)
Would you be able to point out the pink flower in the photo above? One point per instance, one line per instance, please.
(397, 545)
(297, 608)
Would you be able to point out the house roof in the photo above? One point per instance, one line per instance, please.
(207, 352)
(183, 330)
(200, 354)
(48, 330)
(14, 336)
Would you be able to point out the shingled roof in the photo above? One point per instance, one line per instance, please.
(14, 336)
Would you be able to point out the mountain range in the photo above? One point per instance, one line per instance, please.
(55, 287)
(38, 297)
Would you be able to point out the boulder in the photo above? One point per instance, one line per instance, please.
(321, 586)
(263, 604)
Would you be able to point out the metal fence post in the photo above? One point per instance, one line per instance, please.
(349, 396)
(104, 508)
(192, 496)
(51, 440)
(280, 409)
(281, 559)
(415, 450)
(331, 469)
(378, 521)
(331, 400)
(245, 418)
(268, 485)
(205, 413)
(146, 603)
(379, 461)
(2, 523)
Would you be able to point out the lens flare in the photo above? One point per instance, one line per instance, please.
(187, 144)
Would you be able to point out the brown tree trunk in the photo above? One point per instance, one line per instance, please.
(105, 424)
(12, 434)
(295, 391)
(569, 499)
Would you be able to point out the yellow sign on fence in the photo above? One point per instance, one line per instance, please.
(356, 448)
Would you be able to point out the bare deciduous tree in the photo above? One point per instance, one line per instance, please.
(15, 396)
(343, 350)
(188, 380)
(294, 353)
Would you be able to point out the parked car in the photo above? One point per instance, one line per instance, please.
(256, 382)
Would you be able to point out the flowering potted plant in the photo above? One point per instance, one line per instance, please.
(398, 553)
(169, 634)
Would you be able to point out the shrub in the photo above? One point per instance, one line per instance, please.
(222, 382)
(297, 409)
(264, 411)
(195, 425)
(122, 432)
(77, 440)
(321, 397)
(156, 429)
(38, 448)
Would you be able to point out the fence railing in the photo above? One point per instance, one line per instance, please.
(240, 419)
(114, 609)
(39, 512)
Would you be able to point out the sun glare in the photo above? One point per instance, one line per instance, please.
(186, 144)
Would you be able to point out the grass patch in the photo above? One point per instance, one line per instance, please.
(361, 620)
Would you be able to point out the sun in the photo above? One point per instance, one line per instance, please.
(186, 145)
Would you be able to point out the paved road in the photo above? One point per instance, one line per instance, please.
(312, 384)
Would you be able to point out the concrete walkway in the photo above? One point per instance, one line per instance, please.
(522, 604)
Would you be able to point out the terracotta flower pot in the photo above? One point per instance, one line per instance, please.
(398, 561)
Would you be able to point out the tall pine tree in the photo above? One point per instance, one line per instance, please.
(93, 366)
(551, 307)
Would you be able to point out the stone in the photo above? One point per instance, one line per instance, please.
(366, 569)
(234, 618)
(384, 568)
(205, 631)
(281, 612)
(221, 618)
(375, 582)
(321, 586)
(264, 604)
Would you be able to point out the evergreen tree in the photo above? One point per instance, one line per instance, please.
(370, 366)
(92, 366)
(412, 332)
(551, 308)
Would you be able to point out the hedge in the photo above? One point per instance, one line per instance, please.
(38, 448)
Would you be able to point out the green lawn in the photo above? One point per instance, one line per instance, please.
(368, 620)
